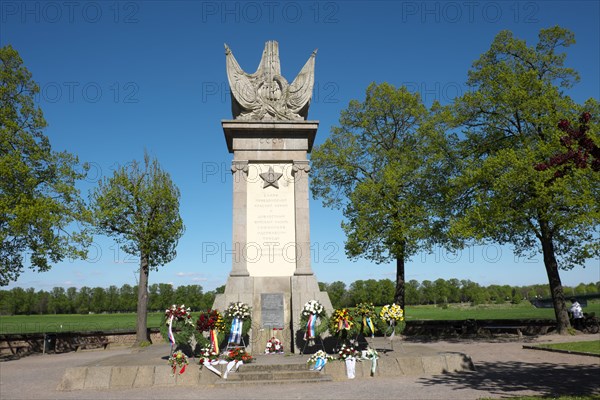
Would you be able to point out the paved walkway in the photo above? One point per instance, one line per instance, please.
(504, 369)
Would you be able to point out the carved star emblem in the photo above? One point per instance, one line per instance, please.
(271, 177)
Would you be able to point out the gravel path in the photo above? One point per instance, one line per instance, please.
(504, 369)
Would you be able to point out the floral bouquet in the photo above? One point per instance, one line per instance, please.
(392, 314)
(274, 346)
(366, 312)
(319, 359)
(349, 355)
(211, 321)
(179, 313)
(207, 354)
(239, 354)
(181, 317)
(178, 359)
(347, 351)
(237, 313)
(341, 322)
(311, 311)
(235, 358)
(238, 310)
(371, 354)
(313, 307)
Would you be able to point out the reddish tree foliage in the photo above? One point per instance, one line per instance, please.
(581, 151)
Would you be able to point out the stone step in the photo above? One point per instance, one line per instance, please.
(273, 367)
(321, 378)
(273, 375)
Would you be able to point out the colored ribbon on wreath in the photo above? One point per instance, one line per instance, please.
(367, 322)
(181, 371)
(310, 327)
(343, 324)
(171, 336)
(393, 327)
(235, 335)
(214, 341)
(319, 364)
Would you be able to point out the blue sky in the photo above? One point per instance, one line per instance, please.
(120, 77)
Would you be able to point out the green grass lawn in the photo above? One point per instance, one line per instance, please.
(590, 346)
(105, 322)
(487, 311)
(73, 322)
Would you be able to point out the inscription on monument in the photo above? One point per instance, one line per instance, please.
(271, 236)
(272, 310)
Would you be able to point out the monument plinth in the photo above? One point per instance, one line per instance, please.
(270, 139)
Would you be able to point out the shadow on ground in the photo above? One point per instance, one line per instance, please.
(543, 378)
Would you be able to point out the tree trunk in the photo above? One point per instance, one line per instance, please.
(400, 289)
(556, 289)
(142, 305)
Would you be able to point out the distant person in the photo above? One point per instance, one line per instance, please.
(577, 313)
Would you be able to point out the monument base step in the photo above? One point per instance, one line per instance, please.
(148, 368)
(324, 378)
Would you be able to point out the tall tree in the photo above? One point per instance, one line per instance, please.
(511, 125)
(139, 206)
(38, 198)
(381, 166)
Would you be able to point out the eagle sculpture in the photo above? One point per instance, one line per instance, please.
(266, 95)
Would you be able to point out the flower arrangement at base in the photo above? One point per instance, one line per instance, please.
(365, 312)
(207, 355)
(211, 321)
(392, 314)
(178, 359)
(239, 355)
(311, 312)
(178, 318)
(341, 322)
(274, 346)
(319, 359)
(349, 355)
(347, 351)
(238, 315)
(371, 354)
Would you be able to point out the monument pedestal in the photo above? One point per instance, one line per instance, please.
(271, 269)
(268, 320)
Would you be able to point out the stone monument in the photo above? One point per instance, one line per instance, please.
(270, 138)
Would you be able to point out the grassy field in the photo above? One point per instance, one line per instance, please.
(105, 322)
(73, 322)
(488, 311)
(583, 347)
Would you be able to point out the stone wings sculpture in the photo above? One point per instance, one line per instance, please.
(266, 95)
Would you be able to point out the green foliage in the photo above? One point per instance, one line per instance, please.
(381, 166)
(139, 207)
(510, 121)
(39, 202)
